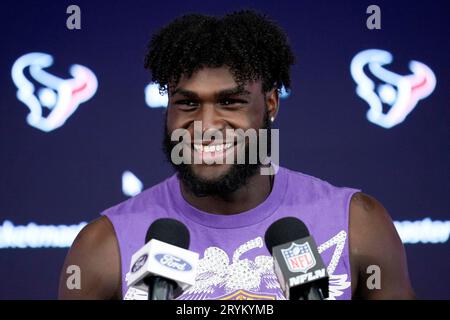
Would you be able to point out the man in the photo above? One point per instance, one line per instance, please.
(227, 74)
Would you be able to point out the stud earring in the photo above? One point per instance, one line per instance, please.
(272, 119)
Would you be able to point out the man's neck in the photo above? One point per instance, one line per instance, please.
(245, 198)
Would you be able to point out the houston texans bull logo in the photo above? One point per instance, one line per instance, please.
(61, 96)
(400, 92)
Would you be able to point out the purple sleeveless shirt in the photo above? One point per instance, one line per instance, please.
(234, 261)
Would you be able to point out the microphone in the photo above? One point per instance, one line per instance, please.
(163, 264)
(298, 264)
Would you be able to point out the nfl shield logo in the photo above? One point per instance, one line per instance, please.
(299, 257)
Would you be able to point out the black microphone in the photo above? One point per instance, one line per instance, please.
(163, 266)
(298, 264)
(172, 232)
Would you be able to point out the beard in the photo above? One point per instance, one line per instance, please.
(236, 177)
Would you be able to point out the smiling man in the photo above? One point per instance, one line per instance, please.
(225, 74)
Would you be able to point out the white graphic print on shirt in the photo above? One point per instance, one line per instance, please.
(247, 279)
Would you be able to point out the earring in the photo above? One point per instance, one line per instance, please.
(272, 119)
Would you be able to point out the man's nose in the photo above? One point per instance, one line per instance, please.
(210, 118)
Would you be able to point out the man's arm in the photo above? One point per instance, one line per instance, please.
(375, 241)
(95, 251)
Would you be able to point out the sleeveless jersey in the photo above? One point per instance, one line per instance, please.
(234, 261)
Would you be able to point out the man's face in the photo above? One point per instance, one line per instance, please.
(213, 97)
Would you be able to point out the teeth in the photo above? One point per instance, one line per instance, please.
(198, 147)
(213, 148)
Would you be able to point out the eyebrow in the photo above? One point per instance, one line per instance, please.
(218, 95)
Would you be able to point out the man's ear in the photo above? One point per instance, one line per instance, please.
(272, 101)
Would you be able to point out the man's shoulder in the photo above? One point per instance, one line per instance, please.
(152, 196)
(314, 184)
(375, 244)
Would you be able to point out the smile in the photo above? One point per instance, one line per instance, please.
(215, 153)
(212, 148)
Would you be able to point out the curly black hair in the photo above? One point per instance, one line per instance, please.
(250, 44)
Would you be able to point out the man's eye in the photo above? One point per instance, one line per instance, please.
(228, 102)
(188, 103)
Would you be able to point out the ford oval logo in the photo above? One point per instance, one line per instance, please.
(139, 263)
(173, 262)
